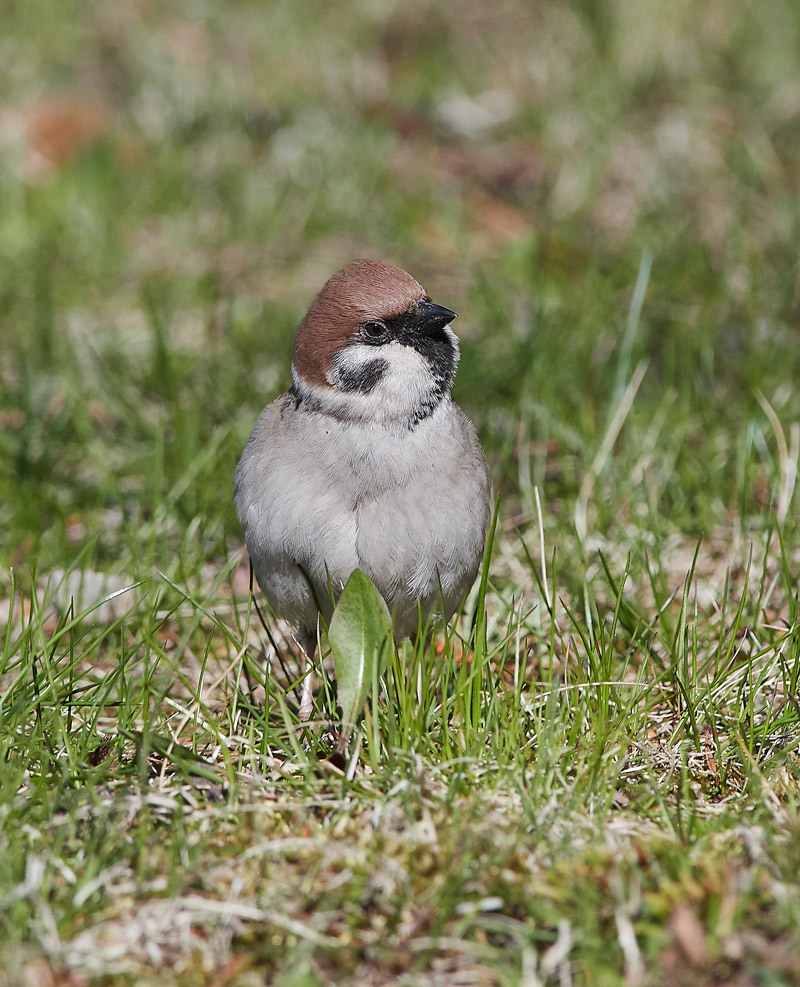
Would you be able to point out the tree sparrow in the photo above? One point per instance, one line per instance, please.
(366, 462)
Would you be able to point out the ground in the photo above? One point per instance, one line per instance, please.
(598, 782)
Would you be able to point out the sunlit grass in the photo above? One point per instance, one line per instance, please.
(592, 775)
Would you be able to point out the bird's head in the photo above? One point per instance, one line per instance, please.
(374, 347)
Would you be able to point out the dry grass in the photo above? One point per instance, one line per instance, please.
(600, 782)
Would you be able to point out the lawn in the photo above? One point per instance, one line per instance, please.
(592, 777)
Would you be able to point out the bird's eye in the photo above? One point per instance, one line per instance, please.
(374, 329)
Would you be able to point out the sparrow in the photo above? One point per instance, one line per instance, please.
(366, 462)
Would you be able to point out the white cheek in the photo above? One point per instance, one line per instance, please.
(402, 387)
(404, 362)
(404, 390)
(351, 361)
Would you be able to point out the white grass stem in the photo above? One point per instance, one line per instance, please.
(601, 457)
(541, 548)
(787, 458)
(632, 324)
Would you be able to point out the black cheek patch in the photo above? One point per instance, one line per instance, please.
(363, 378)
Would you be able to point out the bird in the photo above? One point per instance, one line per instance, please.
(366, 462)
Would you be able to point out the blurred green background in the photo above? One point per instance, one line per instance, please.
(607, 194)
(178, 179)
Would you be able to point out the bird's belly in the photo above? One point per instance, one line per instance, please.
(397, 504)
(423, 546)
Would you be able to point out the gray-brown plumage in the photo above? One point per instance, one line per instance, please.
(366, 462)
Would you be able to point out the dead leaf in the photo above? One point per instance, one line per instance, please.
(54, 129)
(499, 221)
(689, 934)
(39, 973)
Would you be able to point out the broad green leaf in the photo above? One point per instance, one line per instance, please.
(360, 635)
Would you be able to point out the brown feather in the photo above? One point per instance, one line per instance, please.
(364, 290)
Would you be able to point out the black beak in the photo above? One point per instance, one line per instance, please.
(432, 317)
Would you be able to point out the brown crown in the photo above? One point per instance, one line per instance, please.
(365, 289)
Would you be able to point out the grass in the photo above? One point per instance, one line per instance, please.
(600, 781)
